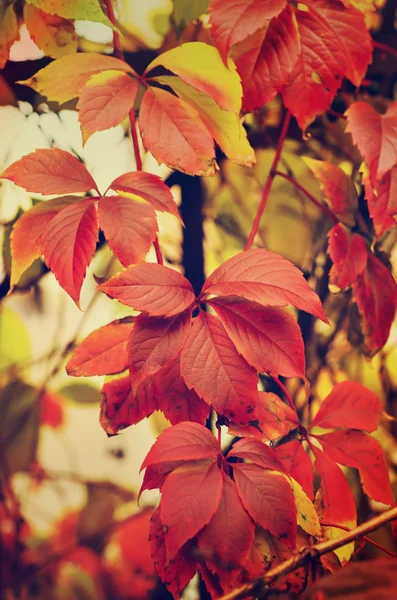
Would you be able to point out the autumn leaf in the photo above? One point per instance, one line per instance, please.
(375, 293)
(350, 404)
(267, 496)
(186, 441)
(50, 171)
(154, 342)
(51, 410)
(269, 338)
(266, 278)
(229, 384)
(201, 66)
(74, 9)
(69, 245)
(266, 65)
(177, 573)
(104, 351)
(234, 21)
(152, 288)
(190, 497)
(149, 187)
(337, 189)
(9, 31)
(64, 79)
(51, 33)
(129, 226)
(358, 450)
(224, 126)
(28, 233)
(297, 464)
(306, 513)
(257, 453)
(375, 135)
(349, 254)
(275, 419)
(174, 133)
(381, 200)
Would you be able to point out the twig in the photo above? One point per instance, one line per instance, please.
(118, 52)
(269, 181)
(300, 187)
(365, 538)
(307, 554)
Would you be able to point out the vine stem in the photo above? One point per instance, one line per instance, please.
(366, 538)
(308, 554)
(269, 181)
(310, 196)
(285, 392)
(118, 52)
(385, 48)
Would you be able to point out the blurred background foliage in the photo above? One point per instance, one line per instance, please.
(80, 532)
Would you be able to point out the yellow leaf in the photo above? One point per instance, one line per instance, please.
(9, 32)
(52, 34)
(224, 126)
(201, 66)
(83, 10)
(307, 516)
(14, 340)
(64, 79)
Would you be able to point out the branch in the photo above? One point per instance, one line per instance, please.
(118, 52)
(269, 181)
(306, 555)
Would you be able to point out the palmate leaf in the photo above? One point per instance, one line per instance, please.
(53, 34)
(349, 255)
(298, 465)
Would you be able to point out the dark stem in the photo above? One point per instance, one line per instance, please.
(364, 537)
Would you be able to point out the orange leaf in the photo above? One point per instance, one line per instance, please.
(348, 252)
(382, 201)
(69, 245)
(120, 408)
(103, 352)
(174, 133)
(129, 227)
(105, 101)
(51, 410)
(298, 464)
(50, 171)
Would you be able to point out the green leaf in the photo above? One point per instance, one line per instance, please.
(14, 341)
(186, 11)
(81, 393)
(82, 10)
(19, 432)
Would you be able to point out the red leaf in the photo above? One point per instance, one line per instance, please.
(265, 69)
(351, 405)
(50, 171)
(337, 189)
(175, 400)
(152, 288)
(129, 227)
(233, 21)
(51, 410)
(375, 135)
(105, 101)
(174, 133)
(382, 201)
(104, 351)
(150, 188)
(226, 541)
(257, 453)
(358, 450)
(69, 245)
(155, 475)
(334, 43)
(28, 232)
(268, 498)
(266, 278)
(190, 497)
(269, 338)
(298, 464)
(348, 252)
(275, 419)
(154, 342)
(375, 293)
(177, 573)
(211, 365)
(120, 408)
(186, 441)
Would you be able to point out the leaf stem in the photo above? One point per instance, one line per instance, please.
(308, 554)
(133, 127)
(385, 48)
(310, 196)
(366, 538)
(269, 181)
(285, 392)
